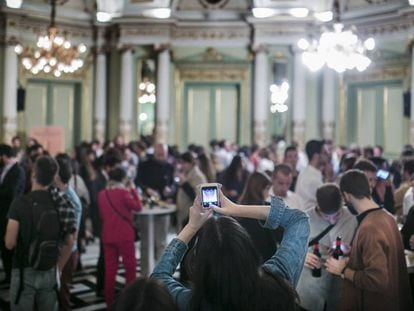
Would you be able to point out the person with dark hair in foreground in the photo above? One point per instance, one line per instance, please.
(226, 273)
(375, 275)
(145, 294)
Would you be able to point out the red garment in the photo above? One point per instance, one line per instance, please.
(114, 228)
(112, 251)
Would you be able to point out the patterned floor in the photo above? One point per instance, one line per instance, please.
(83, 295)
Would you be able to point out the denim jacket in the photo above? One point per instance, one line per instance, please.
(287, 262)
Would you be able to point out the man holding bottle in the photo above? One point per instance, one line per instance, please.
(375, 275)
(317, 289)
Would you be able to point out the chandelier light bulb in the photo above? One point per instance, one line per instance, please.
(150, 87)
(143, 116)
(53, 61)
(313, 60)
(35, 71)
(67, 45)
(284, 87)
(57, 73)
(152, 99)
(303, 44)
(18, 49)
(369, 44)
(47, 69)
(82, 48)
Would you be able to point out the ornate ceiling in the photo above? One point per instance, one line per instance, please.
(227, 22)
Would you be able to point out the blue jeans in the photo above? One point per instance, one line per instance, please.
(38, 286)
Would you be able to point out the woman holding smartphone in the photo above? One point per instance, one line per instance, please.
(227, 274)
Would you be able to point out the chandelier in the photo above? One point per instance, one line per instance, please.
(338, 48)
(278, 97)
(54, 54)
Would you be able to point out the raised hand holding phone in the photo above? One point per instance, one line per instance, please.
(197, 217)
(210, 194)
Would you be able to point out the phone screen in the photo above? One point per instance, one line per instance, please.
(382, 174)
(209, 195)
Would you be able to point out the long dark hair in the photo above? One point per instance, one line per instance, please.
(253, 191)
(227, 274)
(231, 172)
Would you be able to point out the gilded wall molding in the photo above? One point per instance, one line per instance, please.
(213, 74)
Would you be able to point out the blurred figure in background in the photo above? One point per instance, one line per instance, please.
(255, 193)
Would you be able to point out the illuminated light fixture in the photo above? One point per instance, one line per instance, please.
(161, 13)
(263, 12)
(14, 4)
(54, 54)
(299, 12)
(278, 97)
(143, 116)
(147, 90)
(103, 17)
(411, 2)
(326, 16)
(337, 48)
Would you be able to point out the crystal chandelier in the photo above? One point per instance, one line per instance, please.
(278, 97)
(54, 54)
(337, 48)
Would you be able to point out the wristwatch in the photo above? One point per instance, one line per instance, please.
(343, 272)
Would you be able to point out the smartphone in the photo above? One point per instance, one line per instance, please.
(209, 195)
(383, 175)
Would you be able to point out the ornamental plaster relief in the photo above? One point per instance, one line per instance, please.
(27, 30)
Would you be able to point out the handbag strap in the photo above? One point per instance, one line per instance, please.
(320, 235)
(117, 212)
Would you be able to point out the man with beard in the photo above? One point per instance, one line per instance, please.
(12, 183)
(375, 273)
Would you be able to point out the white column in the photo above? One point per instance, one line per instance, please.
(126, 96)
(328, 104)
(10, 94)
(163, 95)
(299, 99)
(412, 99)
(100, 97)
(261, 96)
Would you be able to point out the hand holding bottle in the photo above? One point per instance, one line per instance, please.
(336, 266)
(312, 261)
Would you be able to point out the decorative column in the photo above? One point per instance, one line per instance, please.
(163, 94)
(328, 104)
(261, 95)
(100, 96)
(10, 94)
(126, 96)
(299, 95)
(412, 99)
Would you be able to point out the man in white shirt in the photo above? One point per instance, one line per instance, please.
(281, 180)
(310, 178)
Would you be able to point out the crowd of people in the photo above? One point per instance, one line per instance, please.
(269, 246)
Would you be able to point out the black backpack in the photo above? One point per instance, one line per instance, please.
(44, 246)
